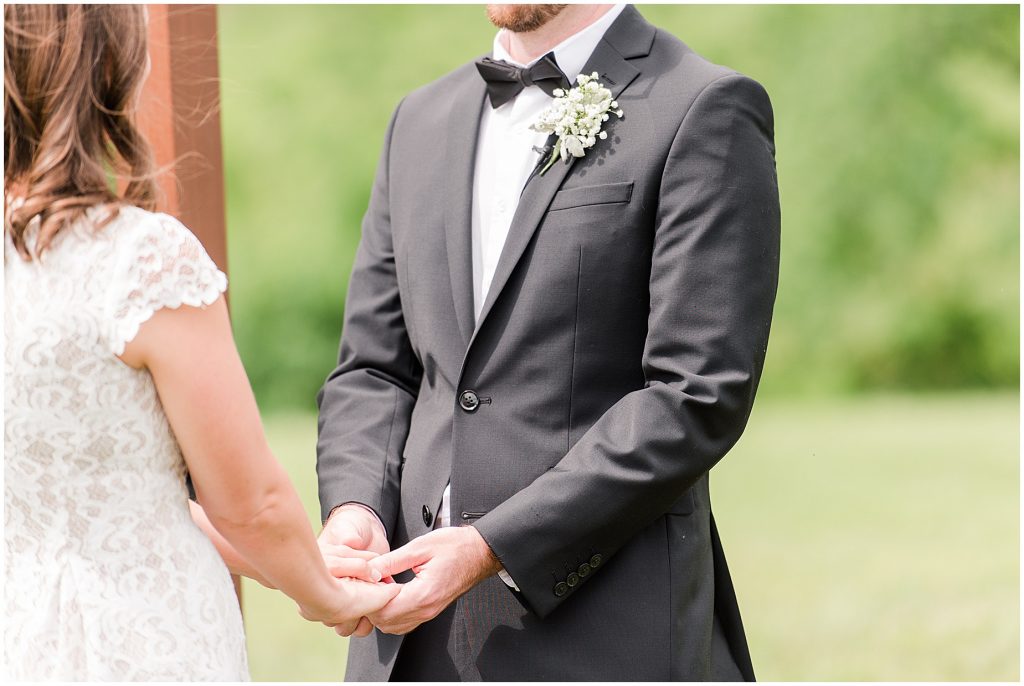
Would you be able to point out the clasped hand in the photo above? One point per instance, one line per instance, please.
(446, 562)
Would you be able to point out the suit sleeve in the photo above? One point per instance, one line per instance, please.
(714, 274)
(366, 402)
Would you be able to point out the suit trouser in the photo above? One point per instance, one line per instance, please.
(425, 654)
(428, 654)
(441, 650)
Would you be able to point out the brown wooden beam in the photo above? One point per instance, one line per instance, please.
(180, 114)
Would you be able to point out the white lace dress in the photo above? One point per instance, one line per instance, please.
(106, 577)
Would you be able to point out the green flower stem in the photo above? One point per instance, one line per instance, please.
(554, 156)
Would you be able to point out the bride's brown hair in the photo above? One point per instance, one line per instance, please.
(72, 75)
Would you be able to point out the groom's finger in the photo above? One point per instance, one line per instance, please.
(400, 560)
(346, 551)
(345, 628)
(342, 567)
(363, 628)
(407, 610)
(340, 536)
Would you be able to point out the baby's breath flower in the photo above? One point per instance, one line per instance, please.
(575, 117)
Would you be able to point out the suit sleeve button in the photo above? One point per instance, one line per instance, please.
(584, 570)
(573, 579)
(595, 561)
(428, 517)
(561, 588)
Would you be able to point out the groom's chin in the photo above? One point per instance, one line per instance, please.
(522, 18)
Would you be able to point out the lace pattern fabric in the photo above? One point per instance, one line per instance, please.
(106, 576)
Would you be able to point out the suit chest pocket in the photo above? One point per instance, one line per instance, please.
(597, 217)
(600, 195)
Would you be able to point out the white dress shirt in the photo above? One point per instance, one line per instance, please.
(504, 159)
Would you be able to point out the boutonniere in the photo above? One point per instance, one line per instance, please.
(576, 117)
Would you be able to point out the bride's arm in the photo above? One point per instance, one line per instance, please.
(246, 494)
(232, 558)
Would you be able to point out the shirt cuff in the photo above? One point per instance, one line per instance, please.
(504, 576)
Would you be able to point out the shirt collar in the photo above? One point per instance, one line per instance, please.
(572, 53)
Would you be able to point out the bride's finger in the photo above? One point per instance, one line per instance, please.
(379, 595)
(342, 567)
(360, 599)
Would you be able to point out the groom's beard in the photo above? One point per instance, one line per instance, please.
(522, 18)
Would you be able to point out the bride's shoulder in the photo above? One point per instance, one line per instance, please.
(133, 225)
(161, 264)
(154, 238)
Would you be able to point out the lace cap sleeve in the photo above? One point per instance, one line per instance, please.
(162, 265)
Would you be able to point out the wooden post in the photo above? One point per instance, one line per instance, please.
(180, 116)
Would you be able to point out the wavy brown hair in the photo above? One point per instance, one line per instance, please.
(72, 78)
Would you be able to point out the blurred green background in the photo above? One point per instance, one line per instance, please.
(871, 511)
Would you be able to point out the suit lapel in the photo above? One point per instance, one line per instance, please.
(460, 160)
(629, 36)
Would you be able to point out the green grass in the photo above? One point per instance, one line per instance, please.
(872, 538)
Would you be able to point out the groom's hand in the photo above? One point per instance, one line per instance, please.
(447, 563)
(352, 530)
(355, 527)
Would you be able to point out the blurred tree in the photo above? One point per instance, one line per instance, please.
(897, 130)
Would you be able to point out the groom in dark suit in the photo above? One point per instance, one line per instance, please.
(539, 367)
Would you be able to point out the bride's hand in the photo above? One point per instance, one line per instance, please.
(352, 601)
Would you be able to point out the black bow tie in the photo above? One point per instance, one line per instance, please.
(505, 81)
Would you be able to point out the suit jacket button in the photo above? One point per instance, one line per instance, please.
(584, 570)
(596, 560)
(561, 588)
(427, 516)
(469, 401)
(573, 579)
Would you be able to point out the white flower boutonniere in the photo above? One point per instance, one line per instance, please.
(576, 117)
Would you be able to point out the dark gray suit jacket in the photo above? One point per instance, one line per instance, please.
(616, 361)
